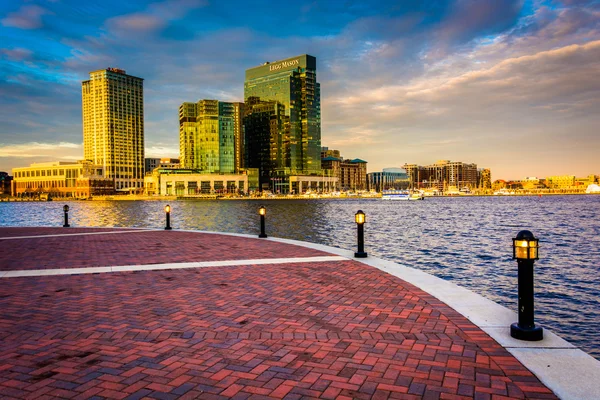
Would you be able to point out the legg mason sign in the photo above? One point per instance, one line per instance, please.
(284, 64)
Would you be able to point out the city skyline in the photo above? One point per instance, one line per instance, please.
(511, 87)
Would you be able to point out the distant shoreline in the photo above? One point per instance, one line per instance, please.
(283, 197)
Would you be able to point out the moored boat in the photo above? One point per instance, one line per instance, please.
(402, 195)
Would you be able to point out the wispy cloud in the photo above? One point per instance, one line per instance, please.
(27, 17)
(35, 152)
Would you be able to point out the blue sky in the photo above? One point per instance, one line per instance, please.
(510, 85)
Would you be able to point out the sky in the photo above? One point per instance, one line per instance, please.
(510, 85)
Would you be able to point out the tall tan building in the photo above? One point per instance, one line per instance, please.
(113, 126)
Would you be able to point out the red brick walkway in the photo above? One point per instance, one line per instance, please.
(135, 248)
(320, 330)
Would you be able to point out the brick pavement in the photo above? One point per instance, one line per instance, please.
(137, 248)
(320, 330)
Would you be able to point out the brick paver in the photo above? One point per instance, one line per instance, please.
(318, 330)
(144, 247)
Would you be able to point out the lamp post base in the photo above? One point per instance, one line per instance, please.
(66, 226)
(360, 254)
(168, 228)
(262, 235)
(531, 334)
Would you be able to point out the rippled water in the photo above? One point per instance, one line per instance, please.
(466, 240)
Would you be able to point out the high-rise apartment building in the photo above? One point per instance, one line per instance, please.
(113, 126)
(206, 136)
(283, 118)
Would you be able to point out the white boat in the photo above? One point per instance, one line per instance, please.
(401, 195)
(593, 188)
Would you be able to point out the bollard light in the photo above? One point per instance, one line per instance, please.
(525, 251)
(168, 217)
(262, 211)
(525, 246)
(66, 211)
(360, 220)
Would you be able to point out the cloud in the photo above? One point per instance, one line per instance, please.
(17, 54)
(27, 17)
(155, 18)
(162, 150)
(36, 149)
(135, 22)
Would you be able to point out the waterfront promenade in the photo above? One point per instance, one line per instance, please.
(138, 313)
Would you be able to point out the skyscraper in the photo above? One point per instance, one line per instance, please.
(238, 135)
(286, 96)
(113, 126)
(206, 136)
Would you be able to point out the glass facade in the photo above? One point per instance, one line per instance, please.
(113, 126)
(283, 118)
(206, 136)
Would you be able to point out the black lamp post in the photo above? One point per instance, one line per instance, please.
(262, 211)
(168, 215)
(525, 251)
(360, 220)
(66, 210)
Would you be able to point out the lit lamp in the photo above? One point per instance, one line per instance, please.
(262, 211)
(66, 210)
(525, 251)
(168, 215)
(360, 220)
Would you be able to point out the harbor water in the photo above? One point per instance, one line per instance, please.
(466, 240)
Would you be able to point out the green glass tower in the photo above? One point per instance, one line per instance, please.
(206, 136)
(283, 118)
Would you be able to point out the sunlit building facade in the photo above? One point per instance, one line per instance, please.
(484, 178)
(349, 175)
(151, 163)
(184, 182)
(238, 135)
(206, 136)
(443, 176)
(283, 119)
(113, 126)
(389, 178)
(61, 179)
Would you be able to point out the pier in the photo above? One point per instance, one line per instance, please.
(145, 313)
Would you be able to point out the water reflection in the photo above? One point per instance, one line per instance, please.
(465, 240)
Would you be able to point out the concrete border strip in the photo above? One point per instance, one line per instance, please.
(74, 234)
(154, 267)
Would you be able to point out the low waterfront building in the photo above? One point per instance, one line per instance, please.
(560, 182)
(151, 163)
(444, 175)
(80, 180)
(484, 178)
(532, 182)
(300, 184)
(389, 178)
(351, 174)
(5, 184)
(192, 182)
